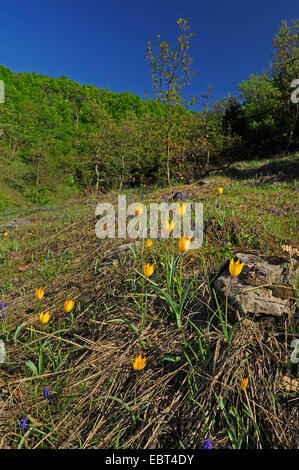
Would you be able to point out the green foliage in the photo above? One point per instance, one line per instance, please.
(4, 200)
(38, 195)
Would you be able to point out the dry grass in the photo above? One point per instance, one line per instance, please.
(180, 397)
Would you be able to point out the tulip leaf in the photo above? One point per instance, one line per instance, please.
(170, 358)
(126, 322)
(107, 397)
(32, 367)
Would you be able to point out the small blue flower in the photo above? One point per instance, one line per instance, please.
(207, 444)
(23, 423)
(46, 393)
(128, 264)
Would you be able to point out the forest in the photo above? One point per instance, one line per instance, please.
(58, 137)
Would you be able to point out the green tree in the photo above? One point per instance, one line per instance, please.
(171, 72)
(284, 68)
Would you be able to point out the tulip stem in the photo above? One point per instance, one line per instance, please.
(180, 292)
(143, 308)
(135, 404)
(226, 305)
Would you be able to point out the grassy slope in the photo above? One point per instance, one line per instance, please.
(178, 399)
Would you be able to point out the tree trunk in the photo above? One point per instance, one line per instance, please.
(292, 129)
(98, 179)
(168, 163)
(122, 172)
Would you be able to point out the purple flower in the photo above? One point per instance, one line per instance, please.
(3, 314)
(46, 393)
(128, 264)
(1, 305)
(23, 423)
(207, 444)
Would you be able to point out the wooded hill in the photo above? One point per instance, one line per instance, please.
(58, 135)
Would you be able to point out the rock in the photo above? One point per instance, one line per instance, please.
(113, 255)
(2, 352)
(17, 222)
(264, 286)
(289, 384)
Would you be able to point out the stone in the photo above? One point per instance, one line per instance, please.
(113, 255)
(264, 286)
(2, 352)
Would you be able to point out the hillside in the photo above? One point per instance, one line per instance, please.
(220, 379)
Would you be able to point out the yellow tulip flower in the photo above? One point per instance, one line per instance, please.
(44, 317)
(39, 293)
(139, 362)
(168, 227)
(235, 267)
(244, 384)
(184, 243)
(148, 243)
(148, 270)
(138, 210)
(180, 210)
(68, 305)
(220, 191)
(5, 234)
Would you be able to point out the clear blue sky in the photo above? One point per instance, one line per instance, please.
(103, 42)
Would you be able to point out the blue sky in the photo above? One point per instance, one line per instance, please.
(103, 42)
